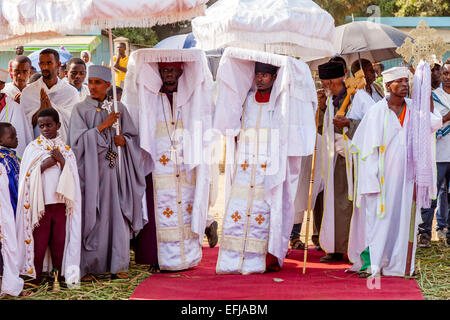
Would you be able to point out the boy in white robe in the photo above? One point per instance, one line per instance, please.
(268, 101)
(380, 143)
(49, 205)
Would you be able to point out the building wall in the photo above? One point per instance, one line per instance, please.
(101, 53)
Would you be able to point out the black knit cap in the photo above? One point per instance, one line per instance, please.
(265, 68)
(331, 70)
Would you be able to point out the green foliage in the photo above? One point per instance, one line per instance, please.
(144, 36)
(422, 8)
(339, 9)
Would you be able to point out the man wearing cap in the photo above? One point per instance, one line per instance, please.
(49, 92)
(20, 71)
(111, 178)
(271, 116)
(337, 164)
(170, 97)
(384, 189)
(12, 112)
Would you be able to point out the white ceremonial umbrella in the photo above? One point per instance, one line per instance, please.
(25, 20)
(299, 28)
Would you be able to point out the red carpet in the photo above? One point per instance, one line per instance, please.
(321, 282)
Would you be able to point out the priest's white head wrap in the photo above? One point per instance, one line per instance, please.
(394, 74)
(99, 72)
(3, 75)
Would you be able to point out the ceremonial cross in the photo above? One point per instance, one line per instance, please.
(111, 157)
(189, 209)
(260, 219)
(164, 160)
(426, 44)
(236, 216)
(168, 212)
(244, 165)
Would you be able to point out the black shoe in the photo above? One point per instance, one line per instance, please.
(424, 241)
(332, 257)
(211, 234)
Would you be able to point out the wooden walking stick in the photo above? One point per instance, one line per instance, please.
(311, 184)
(308, 215)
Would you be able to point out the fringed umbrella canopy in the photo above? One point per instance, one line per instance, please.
(25, 20)
(298, 28)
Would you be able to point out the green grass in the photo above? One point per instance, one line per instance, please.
(433, 271)
(432, 266)
(102, 289)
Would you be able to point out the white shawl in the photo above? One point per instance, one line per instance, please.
(194, 99)
(31, 207)
(62, 96)
(11, 282)
(13, 113)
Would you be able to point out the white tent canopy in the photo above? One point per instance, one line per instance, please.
(25, 20)
(299, 28)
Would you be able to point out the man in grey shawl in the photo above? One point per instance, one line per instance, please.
(112, 192)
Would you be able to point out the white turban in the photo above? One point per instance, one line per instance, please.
(394, 74)
(3, 75)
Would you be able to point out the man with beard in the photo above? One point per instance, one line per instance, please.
(76, 74)
(21, 71)
(49, 92)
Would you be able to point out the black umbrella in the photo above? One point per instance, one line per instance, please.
(373, 41)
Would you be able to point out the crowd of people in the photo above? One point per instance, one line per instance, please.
(83, 182)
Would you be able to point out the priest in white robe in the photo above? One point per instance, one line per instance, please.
(12, 112)
(384, 188)
(169, 95)
(60, 94)
(336, 161)
(268, 102)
